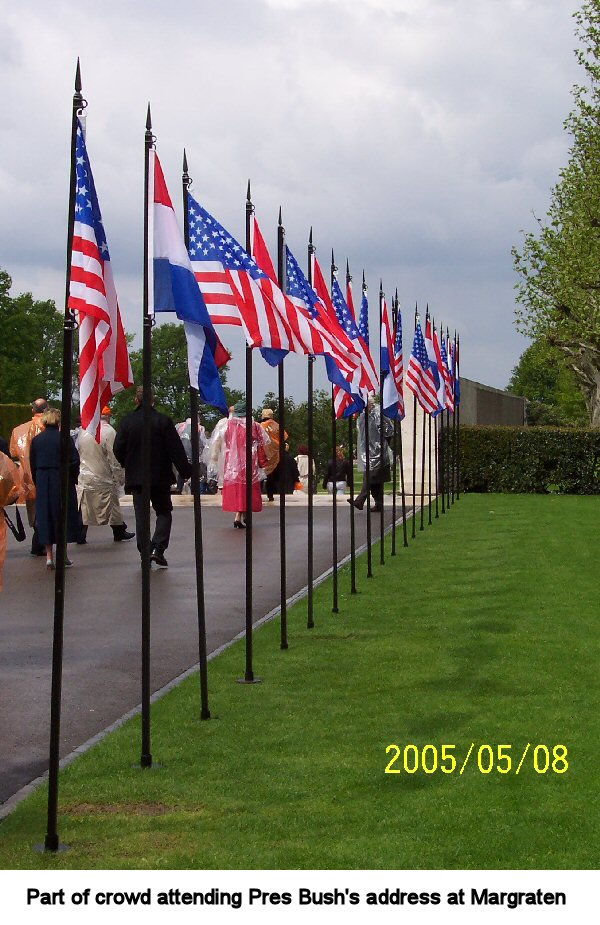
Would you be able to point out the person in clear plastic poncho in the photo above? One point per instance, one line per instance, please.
(231, 444)
(379, 457)
(100, 481)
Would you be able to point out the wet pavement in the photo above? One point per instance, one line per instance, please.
(101, 677)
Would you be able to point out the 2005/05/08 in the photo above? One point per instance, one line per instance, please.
(412, 758)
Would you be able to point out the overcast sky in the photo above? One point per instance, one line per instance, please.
(417, 137)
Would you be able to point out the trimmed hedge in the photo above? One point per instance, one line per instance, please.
(530, 460)
(11, 415)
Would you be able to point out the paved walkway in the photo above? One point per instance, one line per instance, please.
(101, 679)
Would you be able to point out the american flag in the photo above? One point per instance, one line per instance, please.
(445, 372)
(453, 357)
(392, 364)
(363, 318)
(346, 397)
(235, 289)
(369, 378)
(398, 364)
(104, 367)
(419, 377)
(342, 361)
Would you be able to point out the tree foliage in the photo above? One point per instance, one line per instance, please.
(559, 264)
(170, 378)
(545, 379)
(31, 335)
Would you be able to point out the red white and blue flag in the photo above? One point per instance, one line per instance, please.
(175, 290)
(419, 376)
(434, 366)
(237, 291)
(327, 338)
(392, 366)
(445, 372)
(104, 367)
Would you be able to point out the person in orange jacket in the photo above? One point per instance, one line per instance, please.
(19, 449)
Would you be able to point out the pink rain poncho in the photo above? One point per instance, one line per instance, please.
(234, 473)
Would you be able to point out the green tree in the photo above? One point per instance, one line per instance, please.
(544, 377)
(559, 264)
(30, 346)
(170, 379)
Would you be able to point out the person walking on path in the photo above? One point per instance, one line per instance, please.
(166, 451)
(19, 449)
(10, 484)
(45, 471)
(306, 467)
(288, 471)
(339, 473)
(271, 428)
(233, 445)
(379, 462)
(100, 478)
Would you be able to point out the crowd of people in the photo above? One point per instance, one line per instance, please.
(100, 471)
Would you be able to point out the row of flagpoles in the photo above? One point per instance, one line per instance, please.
(210, 280)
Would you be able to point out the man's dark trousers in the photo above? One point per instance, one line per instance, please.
(160, 499)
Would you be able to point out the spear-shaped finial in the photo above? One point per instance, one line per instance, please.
(148, 120)
(185, 163)
(381, 287)
(416, 312)
(78, 78)
(333, 265)
(348, 276)
(364, 284)
(248, 195)
(311, 247)
(280, 222)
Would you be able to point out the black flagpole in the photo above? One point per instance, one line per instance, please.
(449, 460)
(414, 461)
(51, 840)
(457, 413)
(422, 527)
(454, 448)
(401, 449)
(367, 476)
(198, 539)
(429, 449)
(310, 623)
(334, 537)
(249, 672)
(281, 384)
(353, 589)
(395, 437)
(146, 755)
(382, 447)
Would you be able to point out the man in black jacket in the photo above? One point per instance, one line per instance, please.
(166, 451)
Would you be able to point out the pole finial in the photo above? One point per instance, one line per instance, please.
(248, 194)
(279, 221)
(78, 77)
(148, 120)
(185, 163)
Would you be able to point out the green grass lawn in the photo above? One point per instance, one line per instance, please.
(484, 630)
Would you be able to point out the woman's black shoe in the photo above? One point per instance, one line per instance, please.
(239, 525)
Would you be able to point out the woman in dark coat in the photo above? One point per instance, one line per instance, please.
(45, 470)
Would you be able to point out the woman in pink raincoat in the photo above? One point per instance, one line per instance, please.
(233, 443)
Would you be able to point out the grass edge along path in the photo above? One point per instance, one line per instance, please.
(484, 630)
